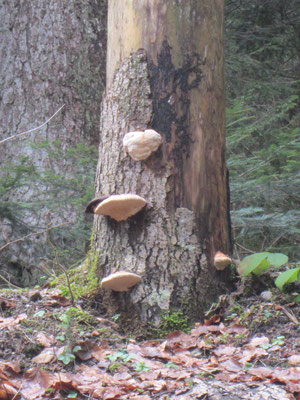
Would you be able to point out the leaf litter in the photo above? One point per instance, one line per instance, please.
(44, 354)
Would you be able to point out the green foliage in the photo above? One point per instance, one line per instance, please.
(63, 190)
(141, 367)
(68, 355)
(289, 276)
(173, 321)
(260, 262)
(263, 115)
(120, 355)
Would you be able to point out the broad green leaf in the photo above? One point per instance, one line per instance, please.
(297, 298)
(256, 264)
(277, 259)
(288, 276)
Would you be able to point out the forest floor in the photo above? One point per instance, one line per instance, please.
(51, 349)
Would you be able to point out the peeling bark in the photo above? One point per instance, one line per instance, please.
(162, 75)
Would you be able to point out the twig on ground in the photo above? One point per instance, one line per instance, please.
(290, 315)
(31, 130)
(8, 282)
(63, 269)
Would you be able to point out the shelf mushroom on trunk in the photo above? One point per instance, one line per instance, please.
(120, 281)
(221, 261)
(140, 145)
(120, 207)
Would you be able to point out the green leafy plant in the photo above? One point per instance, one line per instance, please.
(260, 262)
(289, 276)
(141, 367)
(278, 341)
(121, 355)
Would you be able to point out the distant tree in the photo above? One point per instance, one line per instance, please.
(52, 53)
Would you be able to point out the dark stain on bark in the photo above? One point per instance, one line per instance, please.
(170, 90)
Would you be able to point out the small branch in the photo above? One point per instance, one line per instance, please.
(8, 282)
(33, 234)
(31, 130)
(63, 269)
(244, 248)
(290, 315)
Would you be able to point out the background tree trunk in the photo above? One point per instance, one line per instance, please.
(165, 71)
(52, 53)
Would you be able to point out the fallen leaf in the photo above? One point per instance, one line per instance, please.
(225, 350)
(261, 372)
(58, 300)
(11, 321)
(294, 359)
(48, 355)
(9, 367)
(231, 366)
(257, 341)
(8, 392)
(45, 340)
(199, 330)
(178, 341)
(6, 303)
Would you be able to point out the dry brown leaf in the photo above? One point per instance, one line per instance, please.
(257, 341)
(8, 392)
(10, 367)
(252, 353)
(294, 359)
(6, 303)
(236, 328)
(231, 366)
(224, 350)
(12, 321)
(204, 344)
(48, 355)
(43, 358)
(261, 372)
(45, 340)
(199, 330)
(58, 300)
(178, 341)
(150, 375)
(35, 383)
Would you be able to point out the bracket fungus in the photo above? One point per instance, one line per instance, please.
(120, 207)
(221, 260)
(120, 281)
(92, 205)
(139, 145)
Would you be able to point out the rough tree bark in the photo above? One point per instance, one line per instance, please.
(52, 53)
(165, 72)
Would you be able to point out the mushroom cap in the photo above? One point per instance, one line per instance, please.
(120, 207)
(221, 260)
(139, 145)
(120, 281)
(92, 205)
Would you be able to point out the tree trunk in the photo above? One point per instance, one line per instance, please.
(165, 72)
(52, 53)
